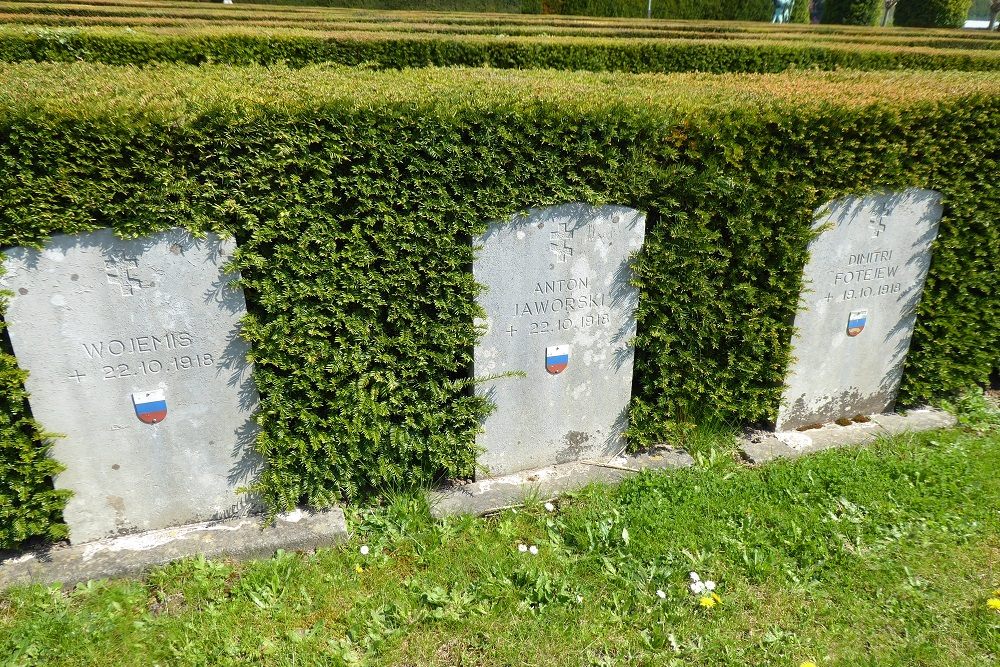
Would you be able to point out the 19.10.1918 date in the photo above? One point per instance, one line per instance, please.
(154, 366)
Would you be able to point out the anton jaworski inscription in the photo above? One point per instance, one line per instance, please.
(863, 281)
(133, 357)
(560, 316)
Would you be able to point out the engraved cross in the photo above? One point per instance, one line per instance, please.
(121, 272)
(877, 226)
(560, 242)
(511, 330)
(77, 375)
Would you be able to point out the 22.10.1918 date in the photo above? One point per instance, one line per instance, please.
(154, 367)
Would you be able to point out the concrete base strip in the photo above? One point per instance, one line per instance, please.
(131, 555)
(497, 493)
(762, 446)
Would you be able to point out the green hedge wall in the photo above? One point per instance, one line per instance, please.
(721, 10)
(29, 506)
(133, 46)
(932, 13)
(506, 6)
(853, 12)
(353, 196)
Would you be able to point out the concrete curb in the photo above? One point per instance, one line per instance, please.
(131, 555)
(763, 446)
(492, 495)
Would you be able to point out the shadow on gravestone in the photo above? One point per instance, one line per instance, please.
(862, 284)
(560, 315)
(134, 357)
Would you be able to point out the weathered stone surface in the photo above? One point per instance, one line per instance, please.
(131, 555)
(915, 420)
(491, 495)
(560, 313)
(863, 281)
(762, 447)
(113, 333)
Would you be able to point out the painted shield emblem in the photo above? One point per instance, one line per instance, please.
(150, 406)
(556, 359)
(856, 322)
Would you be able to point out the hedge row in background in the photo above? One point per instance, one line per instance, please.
(175, 13)
(853, 12)
(720, 10)
(502, 6)
(400, 50)
(353, 196)
(932, 13)
(323, 23)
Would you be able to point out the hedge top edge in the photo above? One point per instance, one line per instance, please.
(80, 90)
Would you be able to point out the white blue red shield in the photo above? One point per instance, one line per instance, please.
(150, 406)
(556, 358)
(856, 322)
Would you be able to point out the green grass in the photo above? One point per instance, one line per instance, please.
(883, 555)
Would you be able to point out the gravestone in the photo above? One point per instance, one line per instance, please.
(560, 314)
(133, 357)
(862, 284)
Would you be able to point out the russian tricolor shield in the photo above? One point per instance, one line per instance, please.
(150, 406)
(856, 322)
(556, 358)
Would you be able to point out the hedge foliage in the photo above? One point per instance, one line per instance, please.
(29, 506)
(353, 196)
(728, 10)
(932, 13)
(853, 12)
(401, 50)
(739, 10)
(319, 21)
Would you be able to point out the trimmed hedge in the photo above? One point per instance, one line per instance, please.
(932, 13)
(400, 50)
(853, 12)
(325, 19)
(727, 10)
(353, 196)
(724, 10)
(29, 506)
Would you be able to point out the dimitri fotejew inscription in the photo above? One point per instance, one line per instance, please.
(560, 315)
(862, 284)
(134, 358)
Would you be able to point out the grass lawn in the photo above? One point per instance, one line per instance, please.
(885, 555)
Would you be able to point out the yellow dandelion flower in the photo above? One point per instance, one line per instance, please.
(359, 569)
(808, 663)
(707, 602)
(716, 597)
(993, 603)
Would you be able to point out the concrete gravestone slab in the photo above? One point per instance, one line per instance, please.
(133, 356)
(863, 281)
(560, 313)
